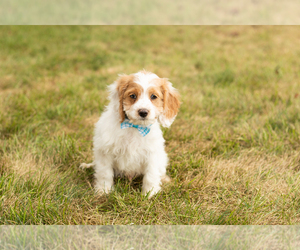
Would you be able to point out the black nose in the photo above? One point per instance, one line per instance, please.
(143, 112)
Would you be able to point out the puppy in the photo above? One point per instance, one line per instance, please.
(128, 140)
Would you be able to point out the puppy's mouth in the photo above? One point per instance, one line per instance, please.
(143, 121)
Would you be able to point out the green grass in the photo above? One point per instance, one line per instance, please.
(234, 147)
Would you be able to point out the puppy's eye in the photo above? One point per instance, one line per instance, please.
(153, 97)
(133, 96)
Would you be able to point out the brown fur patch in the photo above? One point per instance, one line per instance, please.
(159, 101)
(126, 87)
(171, 97)
(132, 89)
(123, 83)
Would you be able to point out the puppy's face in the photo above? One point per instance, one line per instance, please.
(144, 98)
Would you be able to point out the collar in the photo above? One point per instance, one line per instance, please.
(142, 129)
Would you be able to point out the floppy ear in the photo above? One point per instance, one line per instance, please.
(117, 90)
(171, 103)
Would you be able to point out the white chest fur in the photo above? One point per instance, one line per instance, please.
(130, 151)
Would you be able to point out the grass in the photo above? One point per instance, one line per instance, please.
(234, 148)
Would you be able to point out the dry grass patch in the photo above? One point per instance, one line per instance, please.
(253, 186)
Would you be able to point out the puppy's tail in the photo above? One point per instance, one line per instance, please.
(85, 165)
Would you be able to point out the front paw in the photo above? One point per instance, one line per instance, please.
(150, 191)
(103, 188)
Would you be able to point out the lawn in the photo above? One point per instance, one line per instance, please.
(234, 147)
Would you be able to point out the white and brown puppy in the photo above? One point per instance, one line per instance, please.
(128, 140)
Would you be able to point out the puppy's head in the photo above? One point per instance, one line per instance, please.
(144, 98)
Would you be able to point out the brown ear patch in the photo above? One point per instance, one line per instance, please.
(122, 84)
(171, 99)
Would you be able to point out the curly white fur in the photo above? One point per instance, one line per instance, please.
(125, 151)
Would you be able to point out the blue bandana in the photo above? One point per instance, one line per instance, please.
(142, 130)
